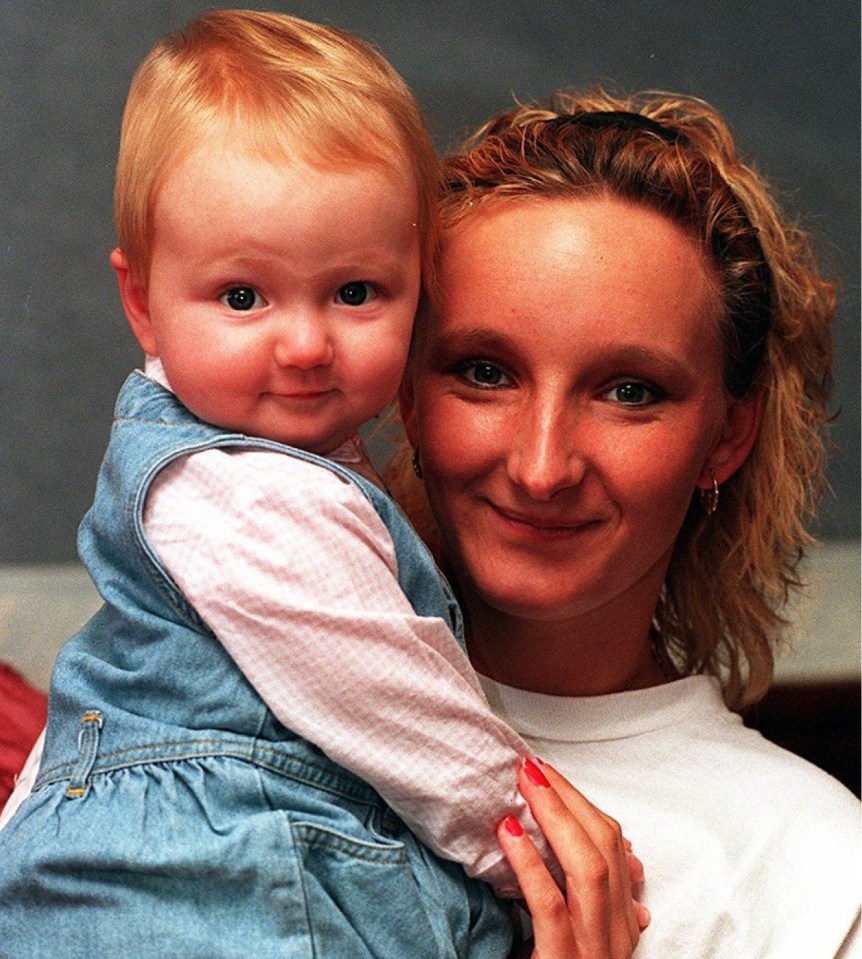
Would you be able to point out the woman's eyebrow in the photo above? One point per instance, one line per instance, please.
(481, 340)
(475, 340)
(654, 356)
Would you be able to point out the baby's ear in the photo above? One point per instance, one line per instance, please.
(135, 304)
(741, 427)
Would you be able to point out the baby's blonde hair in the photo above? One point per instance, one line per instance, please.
(283, 87)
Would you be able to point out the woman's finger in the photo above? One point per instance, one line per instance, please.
(592, 852)
(552, 929)
(607, 834)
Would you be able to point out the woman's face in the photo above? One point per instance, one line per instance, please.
(567, 401)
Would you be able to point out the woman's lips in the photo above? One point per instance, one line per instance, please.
(548, 524)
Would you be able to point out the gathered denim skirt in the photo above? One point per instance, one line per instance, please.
(206, 854)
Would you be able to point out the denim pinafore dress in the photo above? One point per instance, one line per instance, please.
(173, 815)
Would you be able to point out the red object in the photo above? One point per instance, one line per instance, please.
(23, 711)
(534, 774)
(512, 826)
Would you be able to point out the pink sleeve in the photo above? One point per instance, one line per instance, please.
(294, 572)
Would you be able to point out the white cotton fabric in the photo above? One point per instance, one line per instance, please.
(750, 852)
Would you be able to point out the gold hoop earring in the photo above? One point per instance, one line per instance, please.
(417, 463)
(709, 497)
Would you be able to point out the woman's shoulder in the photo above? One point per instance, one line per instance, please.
(739, 759)
(778, 838)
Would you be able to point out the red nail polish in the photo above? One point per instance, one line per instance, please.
(534, 774)
(512, 826)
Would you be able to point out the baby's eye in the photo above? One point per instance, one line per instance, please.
(634, 393)
(355, 293)
(242, 298)
(483, 374)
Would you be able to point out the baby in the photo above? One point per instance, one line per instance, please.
(273, 685)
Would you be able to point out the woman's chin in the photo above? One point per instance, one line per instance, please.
(523, 601)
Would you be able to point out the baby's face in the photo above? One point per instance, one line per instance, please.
(281, 297)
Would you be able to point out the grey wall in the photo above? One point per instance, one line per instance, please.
(785, 74)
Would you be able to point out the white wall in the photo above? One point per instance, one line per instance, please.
(41, 606)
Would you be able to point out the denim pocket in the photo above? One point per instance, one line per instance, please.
(362, 897)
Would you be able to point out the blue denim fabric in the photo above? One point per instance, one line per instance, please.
(173, 814)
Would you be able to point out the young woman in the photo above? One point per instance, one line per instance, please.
(617, 409)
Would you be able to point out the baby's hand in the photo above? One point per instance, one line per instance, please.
(596, 917)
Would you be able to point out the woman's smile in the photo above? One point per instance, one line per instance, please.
(543, 525)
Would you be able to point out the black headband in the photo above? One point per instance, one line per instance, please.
(618, 120)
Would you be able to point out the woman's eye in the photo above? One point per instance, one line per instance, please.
(482, 373)
(355, 294)
(241, 298)
(634, 393)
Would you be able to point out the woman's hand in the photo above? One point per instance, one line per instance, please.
(596, 917)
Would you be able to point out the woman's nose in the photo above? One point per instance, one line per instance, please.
(303, 341)
(544, 454)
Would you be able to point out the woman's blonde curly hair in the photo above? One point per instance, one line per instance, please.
(731, 574)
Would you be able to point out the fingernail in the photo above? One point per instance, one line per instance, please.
(534, 774)
(512, 826)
